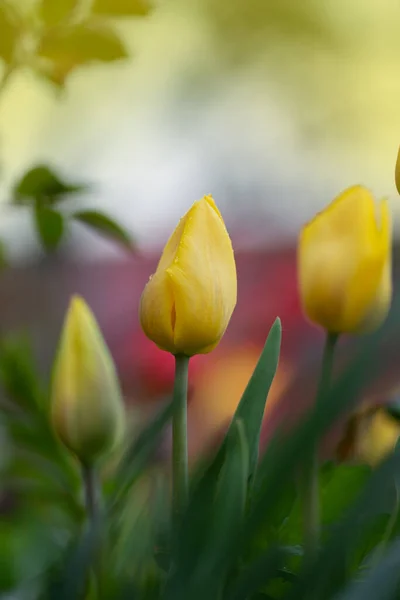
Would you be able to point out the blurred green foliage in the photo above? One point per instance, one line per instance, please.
(45, 192)
(241, 534)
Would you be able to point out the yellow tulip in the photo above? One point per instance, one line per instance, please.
(87, 407)
(188, 302)
(377, 438)
(370, 437)
(344, 263)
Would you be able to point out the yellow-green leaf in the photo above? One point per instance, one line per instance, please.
(121, 8)
(54, 12)
(72, 46)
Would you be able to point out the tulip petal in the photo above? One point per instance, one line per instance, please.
(157, 309)
(186, 306)
(342, 256)
(203, 277)
(380, 304)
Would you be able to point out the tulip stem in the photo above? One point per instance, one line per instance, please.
(311, 511)
(92, 494)
(180, 485)
(90, 485)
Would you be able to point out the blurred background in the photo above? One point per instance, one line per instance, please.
(123, 112)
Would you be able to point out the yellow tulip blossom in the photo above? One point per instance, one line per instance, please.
(371, 435)
(188, 302)
(87, 407)
(344, 263)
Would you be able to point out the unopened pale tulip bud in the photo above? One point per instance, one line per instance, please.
(188, 302)
(87, 407)
(344, 264)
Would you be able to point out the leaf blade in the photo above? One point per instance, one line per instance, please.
(121, 8)
(44, 185)
(50, 227)
(69, 47)
(106, 226)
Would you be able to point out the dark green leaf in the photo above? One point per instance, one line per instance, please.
(72, 46)
(9, 30)
(54, 12)
(72, 579)
(18, 374)
(138, 454)
(200, 562)
(328, 573)
(338, 489)
(382, 583)
(121, 8)
(43, 185)
(105, 226)
(259, 573)
(50, 227)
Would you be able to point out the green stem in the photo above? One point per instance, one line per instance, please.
(179, 437)
(90, 485)
(93, 508)
(311, 514)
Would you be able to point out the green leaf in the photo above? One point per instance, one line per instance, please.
(53, 12)
(255, 576)
(72, 578)
(72, 46)
(9, 28)
(329, 570)
(252, 404)
(121, 8)
(338, 489)
(42, 184)
(232, 484)
(341, 489)
(50, 227)
(383, 582)
(18, 374)
(137, 455)
(105, 226)
(287, 451)
(201, 560)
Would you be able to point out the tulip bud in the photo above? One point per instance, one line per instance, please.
(344, 264)
(87, 407)
(370, 437)
(188, 302)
